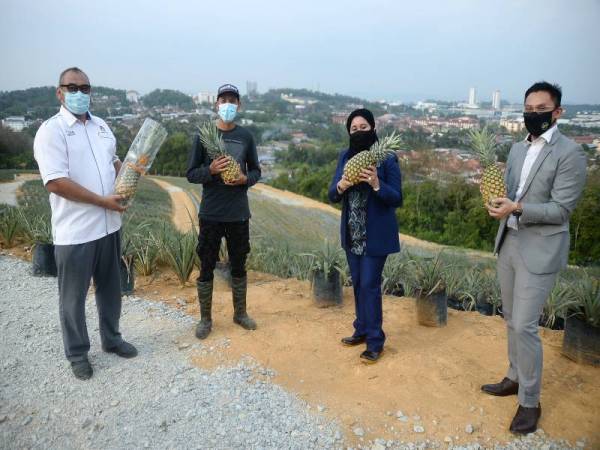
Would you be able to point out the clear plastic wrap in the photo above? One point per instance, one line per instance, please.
(139, 158)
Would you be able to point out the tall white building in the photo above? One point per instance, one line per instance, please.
(472, 97)
(496, 100)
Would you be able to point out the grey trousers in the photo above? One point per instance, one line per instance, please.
(77, 265)
(523, 297)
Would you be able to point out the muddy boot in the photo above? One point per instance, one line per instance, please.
(205, 289)
(239, 286)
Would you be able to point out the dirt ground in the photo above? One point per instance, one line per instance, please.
(433, 373)
(184, 211)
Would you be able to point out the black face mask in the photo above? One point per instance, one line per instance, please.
(362, 140)
(538, 123)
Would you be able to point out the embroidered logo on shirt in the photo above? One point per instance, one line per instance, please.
(70, 133)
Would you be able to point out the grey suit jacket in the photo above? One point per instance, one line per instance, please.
(550, 194)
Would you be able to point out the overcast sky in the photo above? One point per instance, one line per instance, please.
(392, 49)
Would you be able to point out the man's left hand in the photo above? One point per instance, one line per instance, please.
(243, 179)
(501, 207)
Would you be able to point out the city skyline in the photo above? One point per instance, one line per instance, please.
(380, 50)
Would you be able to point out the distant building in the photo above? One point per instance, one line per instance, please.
(430, 106)
(133, 96)
(496, 100)
(15, 123)
(251, 88)
(472, 97)
(436, 124)
(513, 125)
(340, 117)
(298, 100)
(205, 97)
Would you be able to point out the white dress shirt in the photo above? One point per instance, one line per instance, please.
(66, 147)
(535, 147)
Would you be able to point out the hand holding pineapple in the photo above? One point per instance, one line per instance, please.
(501, 207)
(219, 165)
(343, 184)
(369, 176)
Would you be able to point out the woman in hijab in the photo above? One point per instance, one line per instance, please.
(369, 231)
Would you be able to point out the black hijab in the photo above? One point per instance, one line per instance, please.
(361, 140)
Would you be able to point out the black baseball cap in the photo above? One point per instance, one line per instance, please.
(228, 89)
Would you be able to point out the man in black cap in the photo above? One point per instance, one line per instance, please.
(224, 210)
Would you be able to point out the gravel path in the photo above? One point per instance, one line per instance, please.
(157, 400)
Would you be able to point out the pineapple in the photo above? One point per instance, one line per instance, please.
(381, 150)
(215, 147)
(139, 158)
(492, 184)
(129, 177)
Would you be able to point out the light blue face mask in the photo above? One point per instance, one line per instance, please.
(227, 112)
(77, 102)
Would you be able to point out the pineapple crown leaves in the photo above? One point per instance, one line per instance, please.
(483, 143)
(212, 140)
(388, 144)
(384, 147)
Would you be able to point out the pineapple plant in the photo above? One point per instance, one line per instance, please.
(483, 143)
(139, 158)
(372, 157)
(215, 147)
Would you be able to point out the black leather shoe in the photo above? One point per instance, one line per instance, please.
(370, 357)
(353, 340)
(124, 350)
(503, 389)
(82, 369)
(526, 420)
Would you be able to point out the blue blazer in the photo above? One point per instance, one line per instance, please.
(382, 227)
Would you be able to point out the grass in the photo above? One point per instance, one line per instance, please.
(10, 225)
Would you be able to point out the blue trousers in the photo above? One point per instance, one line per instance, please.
(366, 281)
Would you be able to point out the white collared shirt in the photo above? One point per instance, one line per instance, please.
(65, 147)
(535, 147)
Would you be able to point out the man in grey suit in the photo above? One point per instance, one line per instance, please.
(545, 175)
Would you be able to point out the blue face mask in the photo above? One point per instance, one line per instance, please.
(77, 102)
(227, 112)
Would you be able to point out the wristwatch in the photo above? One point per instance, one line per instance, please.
(517, 212)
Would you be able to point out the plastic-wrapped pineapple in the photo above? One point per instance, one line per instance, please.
(373, 157)
(483, 143)
(215, 148)
(139, 158)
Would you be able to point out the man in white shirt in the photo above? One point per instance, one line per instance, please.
(76, 155)
(545, 176)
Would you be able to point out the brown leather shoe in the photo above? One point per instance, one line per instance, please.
(526, 420)
(353, 340)
(504, 388)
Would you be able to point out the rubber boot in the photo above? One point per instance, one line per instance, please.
(204, 326)
(239, 288)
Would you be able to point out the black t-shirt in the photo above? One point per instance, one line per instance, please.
(220, 202)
